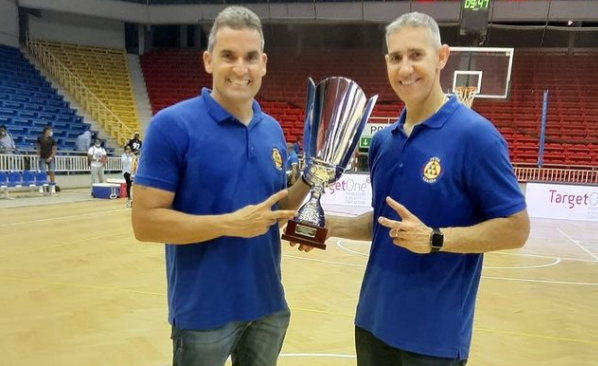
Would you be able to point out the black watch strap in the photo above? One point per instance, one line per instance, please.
(436, 240)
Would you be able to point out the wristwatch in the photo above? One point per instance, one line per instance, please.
(436, 240)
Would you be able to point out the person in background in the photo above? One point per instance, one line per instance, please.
(83, 142)
(292, 165)
(135, 143)
(46, 152)
(127, 159)
(97, 159)
(7, 143)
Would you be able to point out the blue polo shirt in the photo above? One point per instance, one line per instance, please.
(453, 171)
(214, 165)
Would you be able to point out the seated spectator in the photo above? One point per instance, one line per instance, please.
(7, 144)
(84, 141)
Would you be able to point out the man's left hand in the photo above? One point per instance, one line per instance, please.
(410, 233)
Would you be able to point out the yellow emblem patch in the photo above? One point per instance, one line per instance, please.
(432, 170)
(277, 158)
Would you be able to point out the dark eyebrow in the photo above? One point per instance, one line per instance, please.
(411, 50)
(224, 52)
(250, 53)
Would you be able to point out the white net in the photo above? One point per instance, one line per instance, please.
(466, 94)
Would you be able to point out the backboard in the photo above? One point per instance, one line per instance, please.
(486, 68)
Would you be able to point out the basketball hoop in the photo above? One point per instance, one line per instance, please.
(466, 94)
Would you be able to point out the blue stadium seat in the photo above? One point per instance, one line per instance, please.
(3, 178)
(28, 178)
(15, 179)
(41, 178)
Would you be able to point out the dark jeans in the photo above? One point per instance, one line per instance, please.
(255, 343)
(128, 180)
(373, 352)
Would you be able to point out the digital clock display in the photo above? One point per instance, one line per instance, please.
(476, 5)
(474, 16)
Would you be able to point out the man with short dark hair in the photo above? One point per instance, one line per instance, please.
(212, 185)
(46, 151)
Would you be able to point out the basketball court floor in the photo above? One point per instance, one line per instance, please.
(78, 289)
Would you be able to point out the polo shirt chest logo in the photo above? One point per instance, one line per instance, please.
(277, 158)
(432, 170)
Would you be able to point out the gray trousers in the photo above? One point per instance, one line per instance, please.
(97, 175)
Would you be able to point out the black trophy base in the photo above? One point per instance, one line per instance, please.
(305, 234)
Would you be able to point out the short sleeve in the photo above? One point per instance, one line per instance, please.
(493, 182)
(162, 161)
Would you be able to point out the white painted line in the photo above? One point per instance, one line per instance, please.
(102, 213)
(544, 256)
(323, 261)
(340, 245)
(556, 261)
(329, 355)
(541, 281)
(578, 243)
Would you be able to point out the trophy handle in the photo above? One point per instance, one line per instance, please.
(367, 111)
(309, 108)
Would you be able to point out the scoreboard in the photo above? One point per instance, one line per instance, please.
(474, 16)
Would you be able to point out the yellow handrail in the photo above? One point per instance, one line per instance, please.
(92, 104)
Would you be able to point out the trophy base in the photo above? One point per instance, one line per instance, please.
(305, 234)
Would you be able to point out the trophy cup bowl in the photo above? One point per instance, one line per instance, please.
(336, 113)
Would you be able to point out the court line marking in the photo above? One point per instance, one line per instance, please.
(578, 243)
(80, 241)
(328, 355)
(103, 213)
(541, 281)
(528, 335)
(324, 261)
(78, 285)
(340, 245)
(488, 253)
(544, 256)
(531, 335)
(556, 261)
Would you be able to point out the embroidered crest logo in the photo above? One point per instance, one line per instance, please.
(277, 158)
(432, 170)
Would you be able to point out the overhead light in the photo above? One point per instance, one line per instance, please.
(569, 22)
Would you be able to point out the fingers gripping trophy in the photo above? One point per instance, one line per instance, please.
(336, 113)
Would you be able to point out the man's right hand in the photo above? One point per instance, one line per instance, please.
(255, 220)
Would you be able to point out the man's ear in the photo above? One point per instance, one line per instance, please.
(207, 61)
(443, 55)
(265, 60)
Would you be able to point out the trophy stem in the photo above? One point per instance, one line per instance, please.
(311, 211)
(308, 228)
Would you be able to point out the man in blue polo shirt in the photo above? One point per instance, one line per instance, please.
(211, 184)
(444, 192)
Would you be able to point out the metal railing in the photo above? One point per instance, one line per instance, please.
(63, 163)
(582, 175)
(92, 104)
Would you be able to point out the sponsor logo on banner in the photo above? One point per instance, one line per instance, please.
(559, 201)
(351, 190)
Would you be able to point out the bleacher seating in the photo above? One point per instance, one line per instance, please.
(572, 128)
(28, 103)
(32, 180)
(105, 72)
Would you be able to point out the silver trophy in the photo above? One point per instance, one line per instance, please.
(336, 113)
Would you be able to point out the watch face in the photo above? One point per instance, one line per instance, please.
(437, 239)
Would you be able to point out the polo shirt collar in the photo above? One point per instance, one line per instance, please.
(221, 115)
(437, 120)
